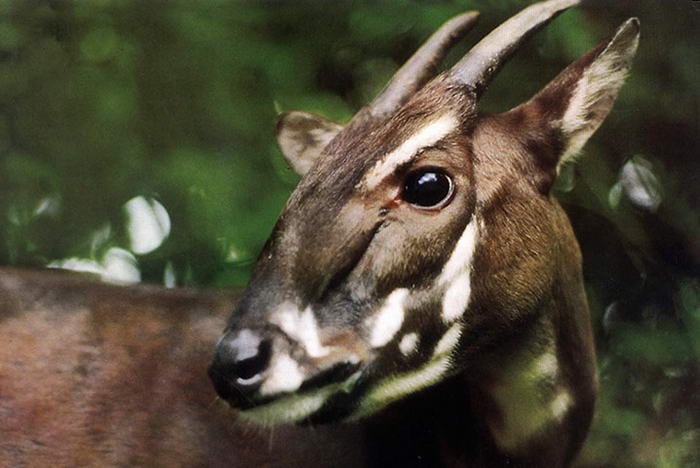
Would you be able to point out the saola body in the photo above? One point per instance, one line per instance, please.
(422, 254)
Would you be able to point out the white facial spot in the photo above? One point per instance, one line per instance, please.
(456, 274)
(387, 322)
(560, 405)
(409, 343)
(284, 376)
(449, 340)
(425, 137)
(301, 327)
(456, 298)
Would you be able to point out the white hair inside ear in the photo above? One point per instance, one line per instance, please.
(597, 89)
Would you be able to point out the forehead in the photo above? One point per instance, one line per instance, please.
(332, 216)
(366, 141)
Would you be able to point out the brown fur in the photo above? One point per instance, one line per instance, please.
(100, 375)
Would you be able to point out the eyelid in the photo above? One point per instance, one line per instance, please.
(407, 167)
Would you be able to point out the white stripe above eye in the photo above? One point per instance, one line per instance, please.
(427, 136)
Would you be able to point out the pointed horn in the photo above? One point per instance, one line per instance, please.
(422, 65)
(476, 69)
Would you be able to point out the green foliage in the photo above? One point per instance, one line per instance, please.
(103, 102)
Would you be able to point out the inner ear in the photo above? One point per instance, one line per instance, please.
(574, 104)
(302, 136)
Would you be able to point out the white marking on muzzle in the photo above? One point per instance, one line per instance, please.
(387, 322)
(284, 376)
(449, 340)
(427, 136)
(456, 274)
(409, 343)
(301, 327)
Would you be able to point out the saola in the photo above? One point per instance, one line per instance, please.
(421, 284)
(423, 246)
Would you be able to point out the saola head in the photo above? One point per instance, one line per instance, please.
(421, 232)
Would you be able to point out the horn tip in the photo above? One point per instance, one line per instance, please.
(463, 21)
(570, 3)
(469, 15)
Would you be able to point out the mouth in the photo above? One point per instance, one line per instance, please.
(351, 399)
(311, 403)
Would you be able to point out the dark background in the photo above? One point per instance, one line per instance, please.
(137, 142)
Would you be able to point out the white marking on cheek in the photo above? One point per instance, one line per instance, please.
(449, 340)
(300, 326)
(409, 343)
(308, 332)
(284, 376)
(456, 274)
(387, 322)
(560, 405)
(460, 259)
(426, 136)
(456, 298)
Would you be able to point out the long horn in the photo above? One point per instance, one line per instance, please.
(422, 65)
(478, 67)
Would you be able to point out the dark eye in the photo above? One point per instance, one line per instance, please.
(427, 188)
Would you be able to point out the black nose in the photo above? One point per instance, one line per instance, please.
(240, 362)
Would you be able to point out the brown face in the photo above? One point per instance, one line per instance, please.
(414, 237)
(372, 278)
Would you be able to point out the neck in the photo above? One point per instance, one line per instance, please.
(526, 393)
(537, 402)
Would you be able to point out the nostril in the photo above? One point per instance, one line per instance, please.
(250, 366)
(239, 365)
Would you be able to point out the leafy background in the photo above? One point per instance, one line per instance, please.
(137, 142)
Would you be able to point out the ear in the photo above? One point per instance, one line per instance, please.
(302, 137)
(575, 103)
